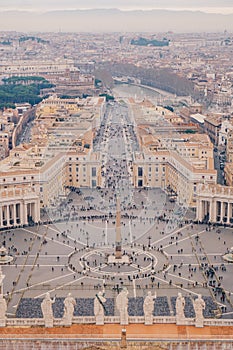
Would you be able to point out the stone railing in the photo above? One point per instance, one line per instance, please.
(84, 320)
(24, 322)
(30, 322)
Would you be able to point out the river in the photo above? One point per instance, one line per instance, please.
(128, 90)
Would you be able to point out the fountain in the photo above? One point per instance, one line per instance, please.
(229, 256)
(4, 258)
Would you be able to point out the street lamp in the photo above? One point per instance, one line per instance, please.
(87, 238)
(149, 240)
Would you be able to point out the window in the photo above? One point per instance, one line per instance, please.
(93, 172)
(140, 183)
(140, 171)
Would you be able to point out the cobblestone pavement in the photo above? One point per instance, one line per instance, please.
(166, 256)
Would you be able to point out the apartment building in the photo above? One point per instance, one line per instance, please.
(171, 160)
(59, 156)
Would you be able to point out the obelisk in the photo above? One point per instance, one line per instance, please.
(118, 244)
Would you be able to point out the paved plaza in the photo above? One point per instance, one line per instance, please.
(167, 252)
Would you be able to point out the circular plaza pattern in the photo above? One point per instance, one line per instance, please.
(142, 261)
(165, 256)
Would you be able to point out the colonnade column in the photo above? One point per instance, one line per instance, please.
(199, 210)
(25, 214)
(8, 215)
(1, 220)
(14, 214)
(229, 212)
(36, 211)
(222, 211)
(213, 211)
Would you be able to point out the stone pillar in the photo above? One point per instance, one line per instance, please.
(1, 221)
(8, 215)
(204, 208)
(229, 210)
(222, 211)
(25, 214)
(14, 214)
(197, 209)
(36, 217)
(200, 210)
(21, 213)
(213, 217)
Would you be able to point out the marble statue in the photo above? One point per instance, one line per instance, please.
(3, 308)
(69, 304)
(99, 308)
(199, 306)
(122, 306)
(180, 304)
(47, 310)
(148, 308)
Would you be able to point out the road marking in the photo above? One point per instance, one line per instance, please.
(43, 282)
(172, 234)
(184, 239)
(48, 238)
(59, 287)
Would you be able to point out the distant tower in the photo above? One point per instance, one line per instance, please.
(118, 246)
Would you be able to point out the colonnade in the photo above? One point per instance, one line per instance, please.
(215, 210)
(19, 212)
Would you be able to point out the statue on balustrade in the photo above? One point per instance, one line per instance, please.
(99, 308)
(69, 304)
(148, 308)
(199, 307)
(47, 310)
(122, 306)
(180, 305)
(3, 308)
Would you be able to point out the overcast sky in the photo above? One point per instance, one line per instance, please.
(218, 6)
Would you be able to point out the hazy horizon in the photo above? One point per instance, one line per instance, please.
(113, 19)
(208, 6)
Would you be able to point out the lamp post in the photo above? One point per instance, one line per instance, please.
(149, 240)
(87, 238)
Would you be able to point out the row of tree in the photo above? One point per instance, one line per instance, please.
(22, 89)
(164, 78)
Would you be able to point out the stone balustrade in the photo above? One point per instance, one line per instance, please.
(31, 322)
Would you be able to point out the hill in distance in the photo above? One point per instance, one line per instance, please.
(114, 20)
